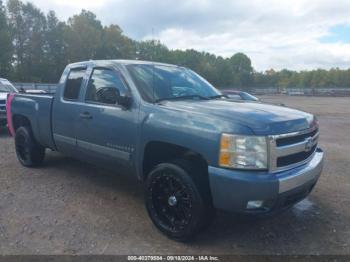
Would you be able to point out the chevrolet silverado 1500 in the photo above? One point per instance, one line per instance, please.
(195, 150)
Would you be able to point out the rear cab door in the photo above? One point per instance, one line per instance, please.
(66, 108)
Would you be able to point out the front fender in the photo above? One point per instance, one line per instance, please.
(198, 132)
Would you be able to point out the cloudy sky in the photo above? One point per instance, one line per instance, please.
(294, 34)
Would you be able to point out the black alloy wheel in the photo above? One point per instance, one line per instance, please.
(174, 201)
(29, 152)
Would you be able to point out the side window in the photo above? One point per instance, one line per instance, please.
(73, 84)
(105, 86)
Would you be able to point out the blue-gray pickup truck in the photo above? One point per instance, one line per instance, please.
(195, 150)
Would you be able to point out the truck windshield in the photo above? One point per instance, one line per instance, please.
(162, 82)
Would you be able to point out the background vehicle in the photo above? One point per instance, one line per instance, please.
(239, 95)
(235, 95)
(195, 150)
(35, 91)
(5, 88)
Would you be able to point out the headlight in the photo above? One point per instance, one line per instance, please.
(246, 152)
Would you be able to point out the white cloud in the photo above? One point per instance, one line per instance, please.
(274, 33)
(80, 3)
(292, 51)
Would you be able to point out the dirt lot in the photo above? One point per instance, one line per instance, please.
(68, 207)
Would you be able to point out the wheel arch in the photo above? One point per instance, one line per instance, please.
(156, 152)
(19, 120)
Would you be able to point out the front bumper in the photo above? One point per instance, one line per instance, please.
(232, 190)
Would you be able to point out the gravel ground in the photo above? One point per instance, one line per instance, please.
(69, 207)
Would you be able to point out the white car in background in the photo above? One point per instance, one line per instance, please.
(5, 88)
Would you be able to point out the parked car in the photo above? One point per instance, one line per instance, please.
(35, 91)
(194, 151)
(5, 88)
(239, 95)
(235, 95)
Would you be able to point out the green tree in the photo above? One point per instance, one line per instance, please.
(16, 21)
(83, 36)
(152, 50)
(115, 45)
(34, 46)
(55, 48)
(6, 49)
(28, 25)
(242, 70)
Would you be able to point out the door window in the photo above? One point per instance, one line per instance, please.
(73, 84)
(105, 86)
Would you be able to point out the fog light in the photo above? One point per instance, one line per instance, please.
(255, 204)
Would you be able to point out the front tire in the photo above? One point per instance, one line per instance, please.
(29, 152)
(175, 202)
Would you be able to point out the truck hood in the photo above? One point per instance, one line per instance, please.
(262, 119)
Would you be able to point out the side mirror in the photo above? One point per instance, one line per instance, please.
(125, 100)
(108, 95)
(111, 95)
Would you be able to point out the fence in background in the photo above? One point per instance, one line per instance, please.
(303, 91)
(51, 88)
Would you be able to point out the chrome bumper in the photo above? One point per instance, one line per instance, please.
(310, 172)
(232, 189)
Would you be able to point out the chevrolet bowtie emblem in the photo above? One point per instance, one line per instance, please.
(308, 144)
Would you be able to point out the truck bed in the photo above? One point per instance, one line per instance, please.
(38, 109)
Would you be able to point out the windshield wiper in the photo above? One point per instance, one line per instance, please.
(217, 96)
(182, 97)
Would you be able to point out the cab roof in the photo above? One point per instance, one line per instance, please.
(116, 62)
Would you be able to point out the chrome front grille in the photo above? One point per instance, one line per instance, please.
(293, 149)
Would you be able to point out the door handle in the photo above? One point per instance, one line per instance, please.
(86, 115)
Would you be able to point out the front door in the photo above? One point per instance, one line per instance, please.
(106, 130)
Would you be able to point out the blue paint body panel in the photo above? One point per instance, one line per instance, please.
(116, 137)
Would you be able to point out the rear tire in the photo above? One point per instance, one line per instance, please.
(29, 152)
(176, 201)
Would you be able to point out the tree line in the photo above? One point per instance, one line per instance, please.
(35, 47)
